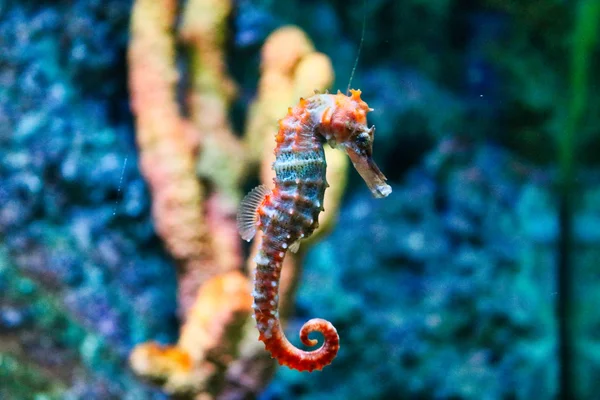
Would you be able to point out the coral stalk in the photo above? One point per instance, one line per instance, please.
(166, 155)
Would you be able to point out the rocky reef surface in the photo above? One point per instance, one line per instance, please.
(82, 273)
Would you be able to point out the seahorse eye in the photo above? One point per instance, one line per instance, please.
(362, 139)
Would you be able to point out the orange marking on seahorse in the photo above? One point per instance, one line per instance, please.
(326, 118)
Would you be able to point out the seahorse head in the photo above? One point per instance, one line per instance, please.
(349, 131)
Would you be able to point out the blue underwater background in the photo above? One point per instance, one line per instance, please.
(477, 278)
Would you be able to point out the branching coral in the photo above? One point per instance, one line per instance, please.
(194, 208)
(208, 340)
(222, 157)
(164, 138)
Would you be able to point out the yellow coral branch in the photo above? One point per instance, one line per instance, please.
(222, 157)
(208, 341)
(166, 159)
(198, 228)
(280, 56)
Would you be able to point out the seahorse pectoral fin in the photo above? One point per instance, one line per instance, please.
(247, 216)
(294, 247)
(368, 170)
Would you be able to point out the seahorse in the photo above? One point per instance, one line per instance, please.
(289, 212)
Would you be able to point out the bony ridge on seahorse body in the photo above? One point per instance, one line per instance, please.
(289, 212)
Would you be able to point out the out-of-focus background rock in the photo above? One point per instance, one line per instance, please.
(448, 289)
(82, 273)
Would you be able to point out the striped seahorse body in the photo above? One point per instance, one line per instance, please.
(290, 212)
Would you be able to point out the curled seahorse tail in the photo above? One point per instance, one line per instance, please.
(266, 313)
(311, 360)
(289, 355)
(325, 354)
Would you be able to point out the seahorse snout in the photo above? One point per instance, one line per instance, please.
(368, 170)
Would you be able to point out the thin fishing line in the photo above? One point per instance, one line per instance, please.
(362, 39)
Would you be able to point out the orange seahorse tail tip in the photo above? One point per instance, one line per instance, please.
(331, 341)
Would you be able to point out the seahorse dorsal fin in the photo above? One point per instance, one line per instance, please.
(247, 216)
(294, 247)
